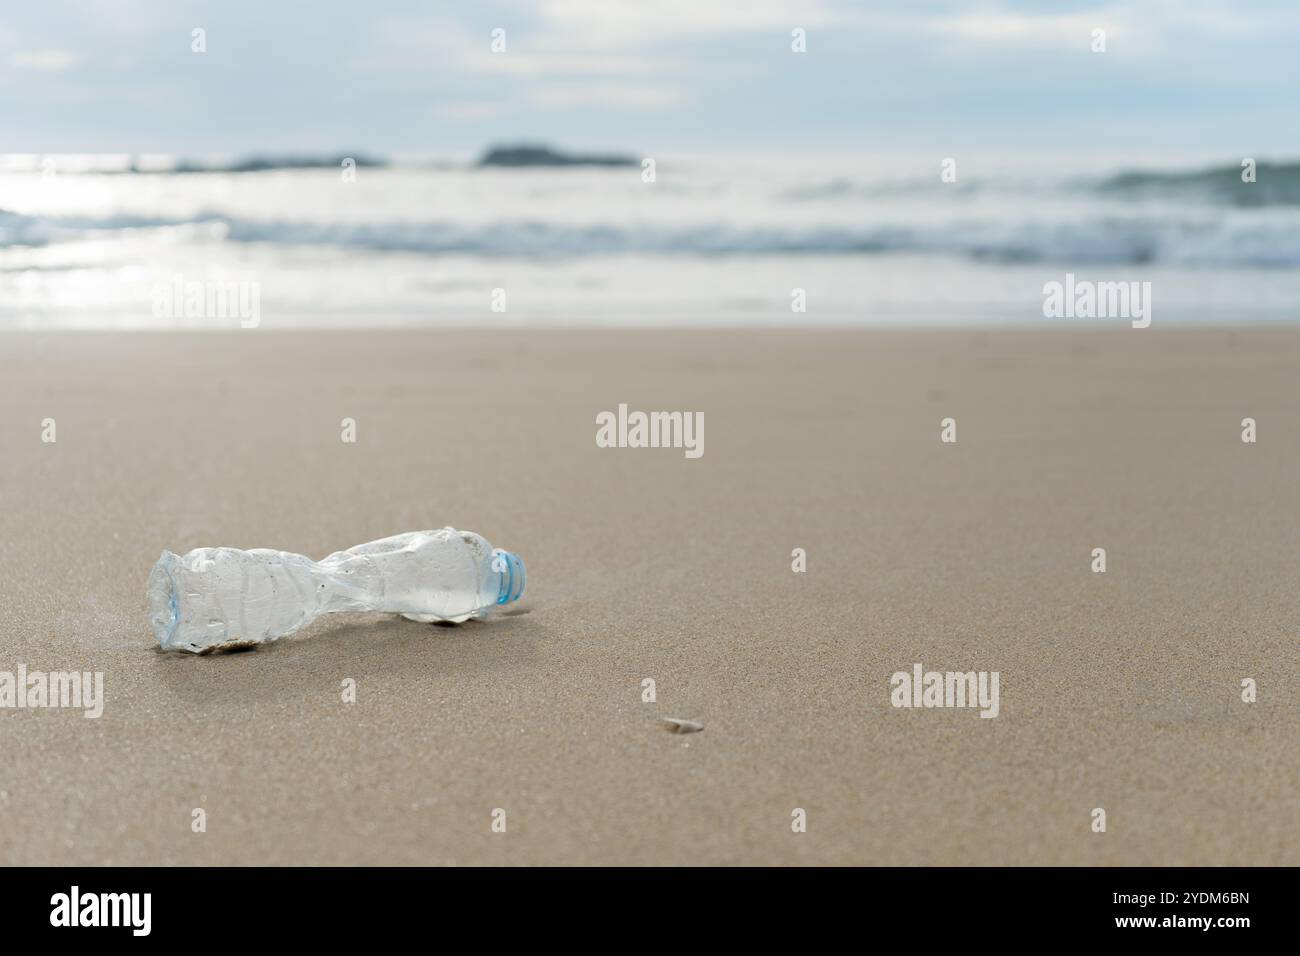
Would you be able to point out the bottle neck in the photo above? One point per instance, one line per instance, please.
(511, 575)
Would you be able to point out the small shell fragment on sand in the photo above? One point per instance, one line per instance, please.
(679, 725)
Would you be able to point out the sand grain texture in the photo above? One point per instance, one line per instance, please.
(1118, 690)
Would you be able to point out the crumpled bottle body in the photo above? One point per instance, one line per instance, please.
(221, 598)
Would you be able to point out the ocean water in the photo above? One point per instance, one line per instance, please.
(88, 242)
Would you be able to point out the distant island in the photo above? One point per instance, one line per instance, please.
(260, 164)
(531, 155)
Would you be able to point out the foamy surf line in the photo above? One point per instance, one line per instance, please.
(1182, 241)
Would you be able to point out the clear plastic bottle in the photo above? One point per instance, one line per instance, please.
(221, 598)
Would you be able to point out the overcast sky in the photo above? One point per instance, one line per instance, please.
(1210, 77)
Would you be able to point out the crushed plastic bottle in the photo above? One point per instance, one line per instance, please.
(223, 598)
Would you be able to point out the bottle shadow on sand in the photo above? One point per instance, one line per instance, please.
(312, 662)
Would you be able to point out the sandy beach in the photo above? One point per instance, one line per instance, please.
(1119, 690)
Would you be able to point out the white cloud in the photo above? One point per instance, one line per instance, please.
(1151, 27)
(426, 46)
(46, 60)
(1019, 28)
(468, 110)
(573, 64)
(605, 95)
(629, 23)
